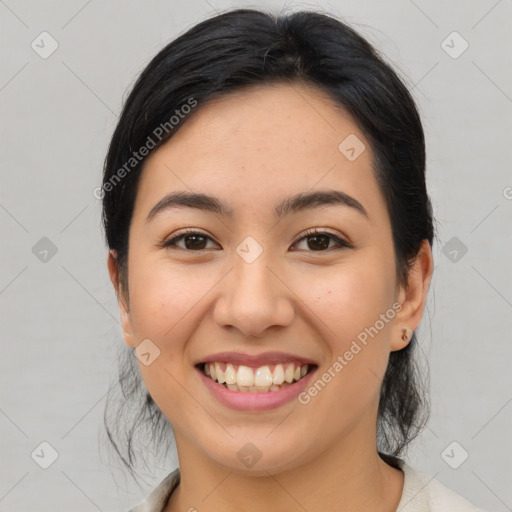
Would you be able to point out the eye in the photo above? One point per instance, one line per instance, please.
(321, 239)
(196, 241)
(192, 239)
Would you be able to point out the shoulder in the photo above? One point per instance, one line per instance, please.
(158, 497)
(422, 492)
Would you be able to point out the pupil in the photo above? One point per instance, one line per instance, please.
(325, 245)
(194, 237)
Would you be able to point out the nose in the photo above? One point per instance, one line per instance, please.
(254, 298)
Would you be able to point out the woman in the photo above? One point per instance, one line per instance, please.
(270, 239)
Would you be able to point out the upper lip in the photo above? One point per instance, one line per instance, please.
(266, 358)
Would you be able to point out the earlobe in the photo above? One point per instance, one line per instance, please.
(413, 298)
(403, 341)
(126, 325)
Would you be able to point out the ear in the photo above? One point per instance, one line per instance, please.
(413, 297)
(124, 310)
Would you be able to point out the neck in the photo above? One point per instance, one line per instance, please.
(348, 477)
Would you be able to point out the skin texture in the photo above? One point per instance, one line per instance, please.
(251, 149)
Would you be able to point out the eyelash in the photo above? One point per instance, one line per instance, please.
(171, 243)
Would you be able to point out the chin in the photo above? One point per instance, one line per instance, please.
(255, 459)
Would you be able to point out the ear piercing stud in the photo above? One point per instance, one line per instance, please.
(405, 336)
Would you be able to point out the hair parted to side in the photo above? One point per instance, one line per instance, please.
(242, 48)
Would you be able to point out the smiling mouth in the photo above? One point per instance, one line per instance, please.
(262, 379)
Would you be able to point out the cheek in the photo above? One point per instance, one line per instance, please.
(165, 305)
(163, 297)
(347, 298)
(347, 302)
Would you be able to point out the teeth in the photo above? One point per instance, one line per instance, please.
(263, 377)
(230, 374)
(245, 376)
(278, 376)
(254, 389)
(213, 375)
(257, 380)
(220, 374)
(289, 373)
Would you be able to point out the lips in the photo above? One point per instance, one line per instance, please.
(248, 399)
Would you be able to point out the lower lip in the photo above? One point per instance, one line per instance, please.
(246, 401)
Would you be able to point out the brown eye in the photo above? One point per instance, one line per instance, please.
(318, 241)
(193, 241)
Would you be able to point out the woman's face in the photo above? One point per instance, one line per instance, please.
(252, 282)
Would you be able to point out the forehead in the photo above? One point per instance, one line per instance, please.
(255, 146)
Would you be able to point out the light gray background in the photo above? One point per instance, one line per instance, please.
(60, 328)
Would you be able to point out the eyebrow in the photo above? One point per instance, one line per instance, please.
(293, 204)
